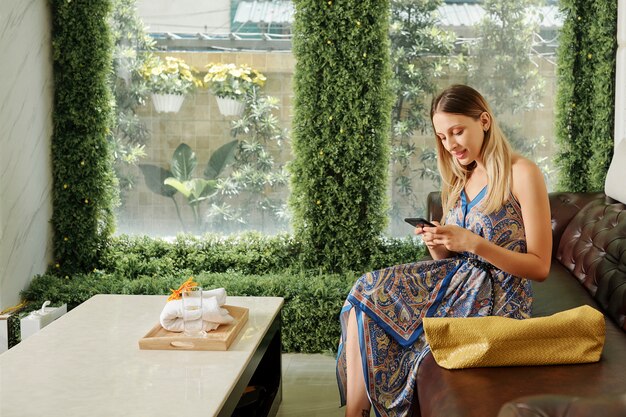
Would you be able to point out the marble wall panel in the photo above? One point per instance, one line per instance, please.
(25, 136)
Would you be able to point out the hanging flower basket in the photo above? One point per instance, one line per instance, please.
(229, 106)
(167, 103)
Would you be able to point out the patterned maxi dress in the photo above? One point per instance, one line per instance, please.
(390, 304)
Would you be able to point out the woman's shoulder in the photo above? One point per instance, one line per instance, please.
(522, 166)
(526, 175)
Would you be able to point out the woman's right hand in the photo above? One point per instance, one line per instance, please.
(437, 251)
(427, 236)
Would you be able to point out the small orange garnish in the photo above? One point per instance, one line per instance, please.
(177, 294)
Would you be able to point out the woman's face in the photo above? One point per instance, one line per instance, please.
(461, 135)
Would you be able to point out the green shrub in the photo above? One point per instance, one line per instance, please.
(250, 253)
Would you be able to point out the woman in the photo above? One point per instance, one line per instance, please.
(494, 237)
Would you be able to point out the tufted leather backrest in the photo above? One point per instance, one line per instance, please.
(563, 208)
(593, 249)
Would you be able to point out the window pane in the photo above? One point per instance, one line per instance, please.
(226, 172)
(504, 49)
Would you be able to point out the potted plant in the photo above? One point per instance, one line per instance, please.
(169, 80)
(230, 84)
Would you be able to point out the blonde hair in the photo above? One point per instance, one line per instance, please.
(495, 153)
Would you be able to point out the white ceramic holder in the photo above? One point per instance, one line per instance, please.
(39, 319)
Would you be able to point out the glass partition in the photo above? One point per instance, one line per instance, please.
(208, 167)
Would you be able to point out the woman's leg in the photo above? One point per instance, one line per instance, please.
(357, 402)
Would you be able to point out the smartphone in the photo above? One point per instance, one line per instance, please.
(419, 222)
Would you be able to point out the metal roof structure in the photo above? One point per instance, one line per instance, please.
(469, 14)
(268, 12)
(266, 25)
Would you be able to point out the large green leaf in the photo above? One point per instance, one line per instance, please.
(220, 159)
(184, 162)
(179, 186)
(155, 177)
(195, 190)
(201, 189)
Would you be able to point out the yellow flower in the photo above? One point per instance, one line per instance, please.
(177, 294)
(235, 73)
(169, 75)
(65, 186)
(318, 202)
(230, 80)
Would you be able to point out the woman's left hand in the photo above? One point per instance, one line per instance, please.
(454, 238)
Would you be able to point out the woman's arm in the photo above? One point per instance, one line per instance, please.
(530, 190)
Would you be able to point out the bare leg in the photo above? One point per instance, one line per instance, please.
(357, 402)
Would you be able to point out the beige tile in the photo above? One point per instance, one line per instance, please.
(309, 387)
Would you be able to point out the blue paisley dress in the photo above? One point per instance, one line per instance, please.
(390, 304)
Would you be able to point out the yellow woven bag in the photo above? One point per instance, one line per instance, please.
(571, 336)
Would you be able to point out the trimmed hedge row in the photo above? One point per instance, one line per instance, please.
(248, 265)
(310, 314)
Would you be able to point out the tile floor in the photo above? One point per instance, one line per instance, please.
(309, 386)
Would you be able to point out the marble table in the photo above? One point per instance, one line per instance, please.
(88, 363)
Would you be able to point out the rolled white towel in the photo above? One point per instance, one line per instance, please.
(212, 313)
(218, 293)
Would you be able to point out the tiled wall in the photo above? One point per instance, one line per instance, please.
(26, 126)
(200, 125)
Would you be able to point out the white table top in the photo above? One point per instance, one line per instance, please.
(88, 363)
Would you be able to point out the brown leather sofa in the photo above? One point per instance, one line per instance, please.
(588, 267)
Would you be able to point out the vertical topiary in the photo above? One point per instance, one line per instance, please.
(602, 53)
(83, 182)
(340, 130)
(586, 91)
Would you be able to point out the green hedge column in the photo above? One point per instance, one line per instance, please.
(83, 181)
(586, 93)
(340, 130)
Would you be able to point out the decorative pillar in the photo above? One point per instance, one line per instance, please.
(614, 185)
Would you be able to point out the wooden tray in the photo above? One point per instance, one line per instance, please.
(219, 339)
